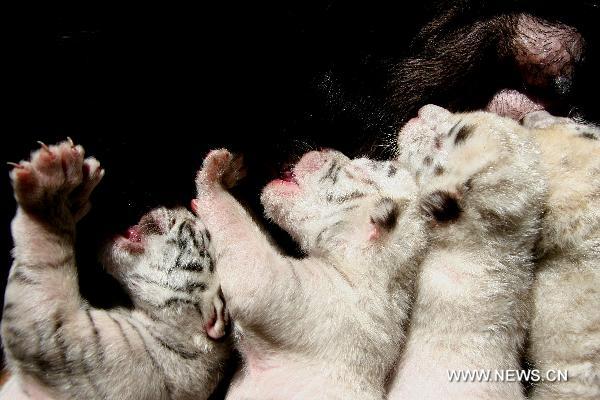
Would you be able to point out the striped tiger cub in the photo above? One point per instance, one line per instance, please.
(329, 325)
(57, 346)
(481, 183)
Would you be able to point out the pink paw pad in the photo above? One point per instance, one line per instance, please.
(55, 174)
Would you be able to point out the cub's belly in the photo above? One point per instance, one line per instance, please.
(12, 390)
(296, 382)
(429, 372)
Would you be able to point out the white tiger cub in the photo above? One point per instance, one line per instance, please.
(57, 346)
(330, 325)
(480, 180)
(565, 329)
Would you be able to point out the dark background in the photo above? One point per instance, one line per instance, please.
(149, 89)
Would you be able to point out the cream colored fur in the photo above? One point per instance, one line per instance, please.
(330, 325)
(565, 329)
(479, 178)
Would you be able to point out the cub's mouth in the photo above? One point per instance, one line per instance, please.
(153, 223)
(287, 179)
(291, 179)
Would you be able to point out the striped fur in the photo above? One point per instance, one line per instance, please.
(57, 346)
(330, 325)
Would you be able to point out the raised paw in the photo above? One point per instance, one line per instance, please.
(542, 119)
(219, 169)
(56, 182)
(423, 141)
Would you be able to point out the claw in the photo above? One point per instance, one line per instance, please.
(44, 146)
(15, 165)
(70, 142)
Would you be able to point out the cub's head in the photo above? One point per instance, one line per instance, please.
(476, 172)
(335, 206)
(166, 265)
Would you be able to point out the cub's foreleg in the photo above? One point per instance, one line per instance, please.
(251, 270)
(55, 344)
(42, 296)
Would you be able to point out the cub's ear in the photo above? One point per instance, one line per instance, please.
(384, 217)
(441, 206)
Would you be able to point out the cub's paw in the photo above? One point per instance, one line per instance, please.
(219, 169)
(56, 181)
(424, 142)
(543, 119)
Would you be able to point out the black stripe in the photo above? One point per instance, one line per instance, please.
(87, 372)
(346, 197)
(329, 172)
(211, 263)
(98, 350)
(336, 173)
(392, 170)
(343, 275)
(191, 266)
(22, 278)
(464, 133)
(454, 128)
(153, 361)
(181, 243)
(46, 264)
(188, 287)
(12, 340)
(85, 368)
(322, 232)
(178, 301)
(121, 331)
(588, 135)
(62, 348)
(199, 248)
(176, 349)
(320, 236)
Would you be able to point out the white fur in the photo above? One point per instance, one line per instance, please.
(330, 325)
(471, 310)
(56, 346)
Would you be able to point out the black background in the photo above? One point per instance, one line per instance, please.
(149, 89)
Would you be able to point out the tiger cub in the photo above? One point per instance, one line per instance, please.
(57, 346)
(330, 325)
(480, 182)
(565, 329)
